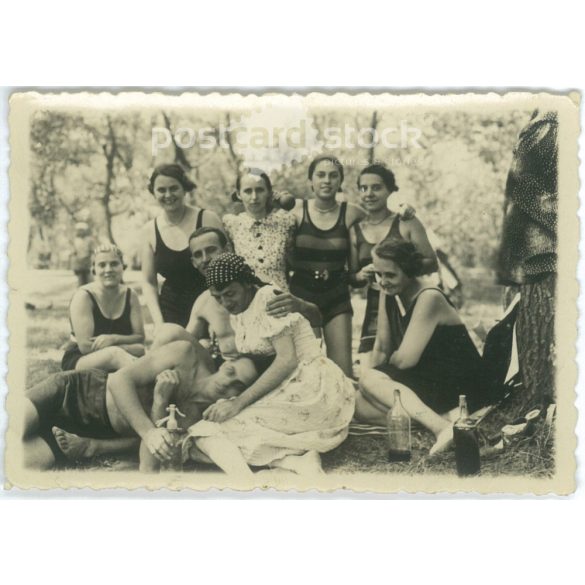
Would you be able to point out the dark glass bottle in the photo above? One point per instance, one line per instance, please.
(399, 437)
(466, 439)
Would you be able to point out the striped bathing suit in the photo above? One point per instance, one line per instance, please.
(319, 262)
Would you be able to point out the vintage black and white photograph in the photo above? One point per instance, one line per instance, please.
(294, 290)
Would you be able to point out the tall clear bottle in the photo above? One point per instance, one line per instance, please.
(466, 439)
(399, 436)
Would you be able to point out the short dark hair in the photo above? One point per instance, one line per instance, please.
(404, 254)
(175, 172)
(383, 172)
(326, 157)
(210, 230)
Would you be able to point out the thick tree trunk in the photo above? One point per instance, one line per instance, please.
(535, 334)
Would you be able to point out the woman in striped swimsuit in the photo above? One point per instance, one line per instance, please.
(321, 254)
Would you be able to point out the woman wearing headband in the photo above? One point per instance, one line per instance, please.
(106, 321)
(299, 407)
(165, 250)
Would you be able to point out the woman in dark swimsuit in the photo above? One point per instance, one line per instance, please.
(321, 255)
(165, 250)
(106, 321)
(436, 360)
(376, 183)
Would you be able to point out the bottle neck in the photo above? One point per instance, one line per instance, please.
(463, 410)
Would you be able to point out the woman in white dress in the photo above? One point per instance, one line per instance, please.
(299, 407)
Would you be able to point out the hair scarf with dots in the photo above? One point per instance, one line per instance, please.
(228, 268)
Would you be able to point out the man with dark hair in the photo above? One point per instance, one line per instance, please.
(209, 320)
(105, 413)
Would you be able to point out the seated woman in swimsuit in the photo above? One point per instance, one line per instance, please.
(436, 360)
(106, 320)
(165, 248)
(376, 183)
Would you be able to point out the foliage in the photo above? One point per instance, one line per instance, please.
(94, 166)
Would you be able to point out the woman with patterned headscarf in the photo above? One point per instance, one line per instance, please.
(299, 407)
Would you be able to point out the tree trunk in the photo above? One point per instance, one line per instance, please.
(180, 157)
(110, 154)
(535, 334)
(372, 148)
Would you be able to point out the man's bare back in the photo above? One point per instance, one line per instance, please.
(192, 364)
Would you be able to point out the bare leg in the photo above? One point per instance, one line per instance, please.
(337, 335)
(225, 455)
(36, 451)
(75, 447)
(110, 359)
(365, 360)
(169, 332)
(366, 411)
(307, 464)
(379, 387)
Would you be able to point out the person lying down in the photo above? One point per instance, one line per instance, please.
(90, 412)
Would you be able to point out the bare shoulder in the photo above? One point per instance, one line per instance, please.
(81, 297)
(354, 214)
(297, 210)
(134, 298)
(410, 226)
(202, 302)
(432, 303)
(180, 352)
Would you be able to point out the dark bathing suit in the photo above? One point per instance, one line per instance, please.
(75, 402)
(364, 249)
(101, 326)
(319, 262)
(183, 282)
(450, 365)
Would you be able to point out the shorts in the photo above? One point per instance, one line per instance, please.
(331, 295)
(74, 402)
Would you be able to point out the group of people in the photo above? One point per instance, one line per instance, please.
(237, 320)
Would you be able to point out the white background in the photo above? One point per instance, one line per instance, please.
(273, 538)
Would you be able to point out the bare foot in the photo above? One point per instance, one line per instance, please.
(307, 464)
(73, 446)
(443, 442)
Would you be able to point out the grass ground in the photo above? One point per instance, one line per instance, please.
(48, 330)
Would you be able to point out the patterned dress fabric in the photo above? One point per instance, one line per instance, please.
(310, 410)
(264, 243)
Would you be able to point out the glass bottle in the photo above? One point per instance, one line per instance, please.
(399, 437)
(466, 439)
(177, 433)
